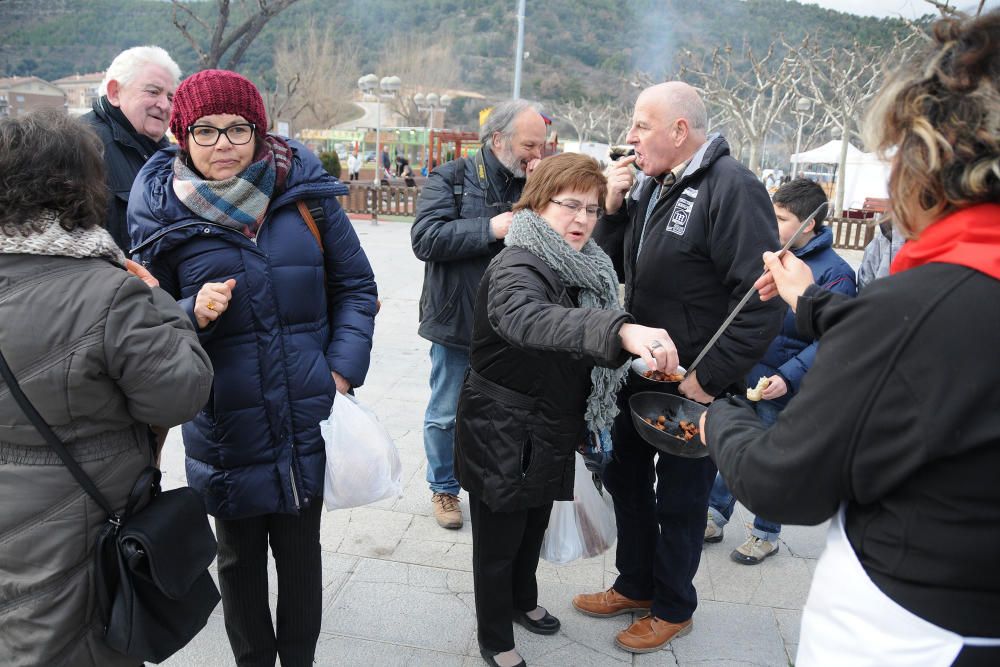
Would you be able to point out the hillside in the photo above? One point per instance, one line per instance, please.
(578, 48)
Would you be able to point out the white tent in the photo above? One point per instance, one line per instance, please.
(865, 175)
(828, 153)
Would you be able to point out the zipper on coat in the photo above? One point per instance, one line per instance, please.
(295, 489)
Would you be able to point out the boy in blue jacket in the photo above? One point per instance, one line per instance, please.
(789, 356)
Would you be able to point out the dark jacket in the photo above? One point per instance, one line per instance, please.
(456, 246)
(701, 253)
(100, 355)
(899, 417)
(520, 412)
(125, 151)
(791, 354)
(256, 448)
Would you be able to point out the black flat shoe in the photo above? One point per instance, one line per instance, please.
(546, 625)
(490, 658)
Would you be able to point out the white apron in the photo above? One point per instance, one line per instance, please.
(848, 622)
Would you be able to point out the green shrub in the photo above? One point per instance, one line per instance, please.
(331, 162)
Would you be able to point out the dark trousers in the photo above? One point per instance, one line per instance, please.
(660, 533)
(505, 548)
(242, 564)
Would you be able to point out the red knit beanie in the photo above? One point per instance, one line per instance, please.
(215, 91)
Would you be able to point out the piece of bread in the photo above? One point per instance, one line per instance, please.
(757, 393)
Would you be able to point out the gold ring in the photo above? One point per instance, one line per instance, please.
(210, 305)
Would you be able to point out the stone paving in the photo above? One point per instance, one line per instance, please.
(398, 589)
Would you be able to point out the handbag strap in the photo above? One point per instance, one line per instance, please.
(43, 428)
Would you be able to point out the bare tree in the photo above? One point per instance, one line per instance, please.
(751, 92)
(425, 63)
(221, 35)
(315, 78)
(615, 121)
(841, 81)
(947, 10)
(585, 118)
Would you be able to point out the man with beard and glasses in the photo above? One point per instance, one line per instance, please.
(131, 118)
(463, 215)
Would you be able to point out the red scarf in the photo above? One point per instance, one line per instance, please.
(969, 237)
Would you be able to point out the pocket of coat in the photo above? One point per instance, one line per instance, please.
(444, 311)
(526, 455)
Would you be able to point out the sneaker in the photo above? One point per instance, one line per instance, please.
(754, 550)
(609, 603)
(650, 634)
(447, 510)
(713, 531)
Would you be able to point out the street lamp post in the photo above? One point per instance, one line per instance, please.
(430, 103)
(386, 88)
(803, 105)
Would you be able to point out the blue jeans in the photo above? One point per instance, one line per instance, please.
(448, 365)
(721, 501)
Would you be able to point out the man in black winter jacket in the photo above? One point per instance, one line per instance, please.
(462, 217)
(688, 244)
(131, 118)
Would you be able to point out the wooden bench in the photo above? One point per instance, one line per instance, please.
(852, 233)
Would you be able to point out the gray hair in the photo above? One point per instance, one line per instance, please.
(126, 65)
(502, 118)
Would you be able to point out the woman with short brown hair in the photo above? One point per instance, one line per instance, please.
(549, 348)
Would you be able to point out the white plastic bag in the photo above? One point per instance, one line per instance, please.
(584, 527)
(362, 464)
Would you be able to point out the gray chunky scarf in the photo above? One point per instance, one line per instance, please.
(45, 236)
(591, 270)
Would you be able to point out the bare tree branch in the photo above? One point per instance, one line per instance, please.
(220, 42)
(748, 93)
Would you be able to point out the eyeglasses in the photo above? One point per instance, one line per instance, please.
(208, 135)
(575, 206)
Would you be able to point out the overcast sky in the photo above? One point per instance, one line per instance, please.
(906, 8)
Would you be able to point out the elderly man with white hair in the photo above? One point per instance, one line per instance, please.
(131, 118)
(688, 243)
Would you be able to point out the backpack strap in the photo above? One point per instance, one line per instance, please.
(311, 211)
(458, 184)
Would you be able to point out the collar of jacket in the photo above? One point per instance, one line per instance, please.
(820, 240)
(497, 171)
(122, 130)
(159, 212)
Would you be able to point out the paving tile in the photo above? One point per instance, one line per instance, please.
(401, 614)
(374, 533)
(339, 651)
(436, 554)
(789, 621)
(209, 649)
(727, 633)
(784, 582)
(804, 541)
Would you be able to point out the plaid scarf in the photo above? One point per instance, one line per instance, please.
(239, 202)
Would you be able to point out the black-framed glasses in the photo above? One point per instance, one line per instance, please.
(208, 135)
(593, 211)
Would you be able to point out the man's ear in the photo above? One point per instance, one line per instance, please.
(496, 140)
(114, 92)
(683, 130)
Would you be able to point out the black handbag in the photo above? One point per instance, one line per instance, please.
(154, 591)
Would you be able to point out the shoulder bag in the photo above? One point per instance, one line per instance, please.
(154, 591)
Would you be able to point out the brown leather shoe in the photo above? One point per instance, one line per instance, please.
(650, 634)
(609, 603)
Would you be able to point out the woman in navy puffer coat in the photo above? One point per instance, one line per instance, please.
(286, 323)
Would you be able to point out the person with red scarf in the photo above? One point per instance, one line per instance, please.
(906, 465)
